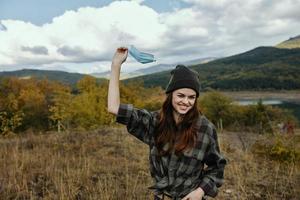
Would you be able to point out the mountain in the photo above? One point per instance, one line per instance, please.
(60, 76)
(259, 68)
(152, 69)
(290, 43)
(139, 72)
(101, 74)
(164, 67)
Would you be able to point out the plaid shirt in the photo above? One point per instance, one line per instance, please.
(202, 166)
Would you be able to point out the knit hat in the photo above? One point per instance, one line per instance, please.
(183, 77)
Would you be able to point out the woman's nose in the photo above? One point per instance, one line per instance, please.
(185, 100)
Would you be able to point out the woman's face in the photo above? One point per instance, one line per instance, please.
(183, 100)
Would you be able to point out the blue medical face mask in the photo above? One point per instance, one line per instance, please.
(141, 56)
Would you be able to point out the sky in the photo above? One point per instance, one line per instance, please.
(82, 35)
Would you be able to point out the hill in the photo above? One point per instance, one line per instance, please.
(291, 43)
(60, 76)
(261, 68)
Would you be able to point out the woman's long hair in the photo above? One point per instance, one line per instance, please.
(179, 137)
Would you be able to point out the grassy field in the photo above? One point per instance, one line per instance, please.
(111, 164)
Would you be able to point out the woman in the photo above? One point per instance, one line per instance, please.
(185, 160)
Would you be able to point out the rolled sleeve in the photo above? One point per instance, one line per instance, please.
(140, 122)
(124, 113)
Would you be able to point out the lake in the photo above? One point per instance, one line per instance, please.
(292, 106)
(254, 102)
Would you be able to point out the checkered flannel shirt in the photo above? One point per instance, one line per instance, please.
(202, 166)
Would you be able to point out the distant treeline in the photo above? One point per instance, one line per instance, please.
(48, 105)
(263, 68)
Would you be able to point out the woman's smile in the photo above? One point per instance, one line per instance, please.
(183, 100)
(183, 107)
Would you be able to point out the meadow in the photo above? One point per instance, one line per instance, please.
(108, 164)
(90, 157)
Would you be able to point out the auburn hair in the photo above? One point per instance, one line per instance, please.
(179, 137)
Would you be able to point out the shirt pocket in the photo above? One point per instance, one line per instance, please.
(189, 162)
(195, 153)
(200, 150)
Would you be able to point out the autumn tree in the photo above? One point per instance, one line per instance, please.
(90, 105)
(11, 117)
(61, 110)
(217, 107)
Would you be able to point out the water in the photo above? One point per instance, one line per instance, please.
(254, 102)
(292, 106)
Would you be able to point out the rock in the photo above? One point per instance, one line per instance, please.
(257, 195)
(228, 191)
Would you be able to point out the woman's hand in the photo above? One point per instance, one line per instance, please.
(120, 56)
(195, 195)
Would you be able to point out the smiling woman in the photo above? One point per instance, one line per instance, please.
(183, 100)
(185, 159)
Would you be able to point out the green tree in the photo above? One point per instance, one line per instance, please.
(11, 118)
(61, 111)
(87, 84)
(90, 105)
(217, 108)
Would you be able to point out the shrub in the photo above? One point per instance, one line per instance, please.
(281, 149)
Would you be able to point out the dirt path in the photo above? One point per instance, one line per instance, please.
(243, 141)
(239, 140)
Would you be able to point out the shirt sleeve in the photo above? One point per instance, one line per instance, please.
(213, 176)
(139, 122)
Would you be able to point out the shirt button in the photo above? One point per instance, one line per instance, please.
(145, 120)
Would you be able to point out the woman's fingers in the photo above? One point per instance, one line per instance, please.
(122, 49)
(120, 55)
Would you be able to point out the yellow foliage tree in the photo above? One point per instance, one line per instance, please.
(217, 107)
(61, 109)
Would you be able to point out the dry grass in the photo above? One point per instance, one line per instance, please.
(249, 176)
(111, 164)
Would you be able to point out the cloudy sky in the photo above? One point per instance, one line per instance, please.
(82, 35)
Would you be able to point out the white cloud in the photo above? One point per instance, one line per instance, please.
(236, 25)
(84, 40)
(86, 35)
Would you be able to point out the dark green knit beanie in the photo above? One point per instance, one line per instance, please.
(183, 77)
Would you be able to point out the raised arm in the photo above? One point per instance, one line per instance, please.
(113, 100)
